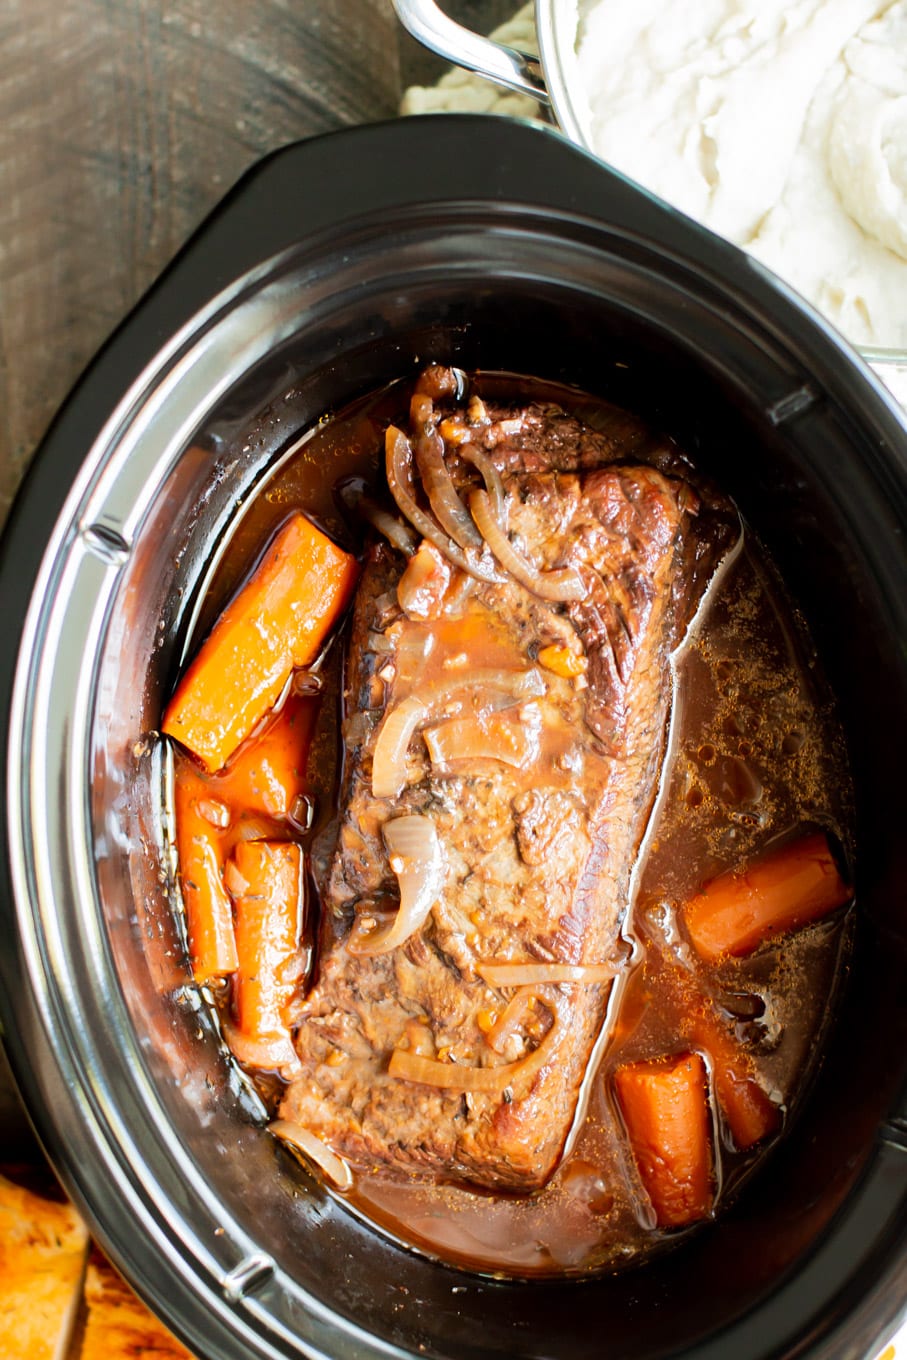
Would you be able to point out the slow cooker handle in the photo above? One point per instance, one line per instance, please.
(506, 66)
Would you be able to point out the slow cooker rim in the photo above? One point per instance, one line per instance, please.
(55, 442)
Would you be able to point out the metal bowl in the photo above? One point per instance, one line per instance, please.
(553, 79)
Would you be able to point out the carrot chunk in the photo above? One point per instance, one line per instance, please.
(268, 928)
(562, 661)
(209, 914)
(749, 1113)
(268, 774)
(738, 910)
(277, 621)
(666, 1113)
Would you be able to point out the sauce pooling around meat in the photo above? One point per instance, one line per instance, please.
(556, 969)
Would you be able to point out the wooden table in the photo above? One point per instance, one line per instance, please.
(122, 123)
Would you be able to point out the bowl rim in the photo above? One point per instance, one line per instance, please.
(556, 29)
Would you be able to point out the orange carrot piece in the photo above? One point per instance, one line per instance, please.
(562, 661)
(749, 1113)
(665, 1110)
(209, 914)
(737, 911)
(278, 621)
(268, 773)
(268, 928)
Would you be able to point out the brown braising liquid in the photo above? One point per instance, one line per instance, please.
(755, 757)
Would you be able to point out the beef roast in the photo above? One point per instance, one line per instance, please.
(535, 754)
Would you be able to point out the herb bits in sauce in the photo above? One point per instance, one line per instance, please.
(534, 972)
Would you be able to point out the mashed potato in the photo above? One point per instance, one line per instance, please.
(781, 124)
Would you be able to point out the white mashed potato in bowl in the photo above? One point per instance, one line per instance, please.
(780, 124)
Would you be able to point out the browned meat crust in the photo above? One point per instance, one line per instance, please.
(537, 860)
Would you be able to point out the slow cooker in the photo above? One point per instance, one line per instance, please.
(333, 267)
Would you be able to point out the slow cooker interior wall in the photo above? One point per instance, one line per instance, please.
(771, 473)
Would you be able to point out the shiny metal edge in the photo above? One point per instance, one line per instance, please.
(73, 747)
(506, 66)
(48, 779)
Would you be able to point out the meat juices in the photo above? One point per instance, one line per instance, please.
(538, 840)
(492, 733)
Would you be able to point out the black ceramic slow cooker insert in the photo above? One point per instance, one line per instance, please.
(335, 266)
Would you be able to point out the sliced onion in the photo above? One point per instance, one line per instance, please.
(452, 1077)
(380, 644)
(236, 885)
(442, 494)
(214, 812)
(503, 736)
(400, 723)
(267, 1053)
(400, 535)
(511, 1018)
(527, 974)
(421, 588)
(398, 461)
(389, 759)
(459, 592)
(503, 429)
(421, 410)
(416, 859)
(527, 684)
(413, 649)
(490, 476)
(477, 411)
(302, 813)
(254, 828)
(565, 583)
(304, 1141)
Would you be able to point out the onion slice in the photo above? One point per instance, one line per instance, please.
(267, 1053)
(398, 461)
(442, 495)
(401, 722)
(357, 499)
(303, 1140)
(514, 1014)
(564, 583)
(506, 737)
(416, 859)
(528, 974)
(490, 476)
(449, 1076)
(389, 758)
(399, 535)
(423, 585)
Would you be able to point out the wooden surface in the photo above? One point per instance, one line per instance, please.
(122, 122)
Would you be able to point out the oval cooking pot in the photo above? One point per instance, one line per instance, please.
(335, 266)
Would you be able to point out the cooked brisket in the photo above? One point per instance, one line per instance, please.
(538, 841)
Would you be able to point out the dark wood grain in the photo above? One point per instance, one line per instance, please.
(418, 66)
(122, 122)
